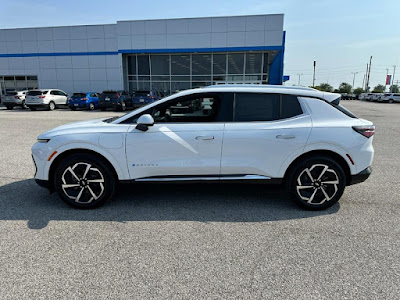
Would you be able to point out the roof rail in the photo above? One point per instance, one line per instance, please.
(260, 86)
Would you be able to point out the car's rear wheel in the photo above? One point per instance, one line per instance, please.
(52, 105)
(84, 181)
(9, 107)
(32, 108)
(123, 106)
(317, 183)
(390, 101)
(91, 106)
(102, 108)
(24, 106)
(73, 108)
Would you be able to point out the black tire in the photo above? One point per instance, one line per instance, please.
(303, 188)
(73, 108)
(102, 108)
(91, 106)
(24, 106)
(52, 105)
(32, 108)
(98, 170)
(123, 106)
(390, 101)
(9, 107)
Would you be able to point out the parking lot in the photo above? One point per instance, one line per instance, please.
(197, 241)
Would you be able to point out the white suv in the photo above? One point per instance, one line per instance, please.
(390, 97)
(14, 98)
(252, 133)
(46, 98)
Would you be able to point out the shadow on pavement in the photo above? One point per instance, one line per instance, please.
(24, 200)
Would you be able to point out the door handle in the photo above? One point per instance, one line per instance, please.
(285, 136)
(205, 137)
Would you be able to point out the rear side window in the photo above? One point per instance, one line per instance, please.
(265, 107)
(290, 107)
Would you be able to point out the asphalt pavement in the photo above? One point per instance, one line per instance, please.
(197, 241)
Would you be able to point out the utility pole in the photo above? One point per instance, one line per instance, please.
(354, 77)
(363, 82)
(369, 73)
(313, 81)
(365, 78)
(394, 72)
(299, 78)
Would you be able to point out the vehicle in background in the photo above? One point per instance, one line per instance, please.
(84, 100)
(368, 97)
(376, 96)
(46, 98)
(117, 100)
(390, 97)
(14, 98)
(362, 96)
(346, 96)
(141, 98)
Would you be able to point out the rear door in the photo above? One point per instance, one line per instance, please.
(266, 130)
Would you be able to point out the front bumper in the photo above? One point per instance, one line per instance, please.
(361, 177)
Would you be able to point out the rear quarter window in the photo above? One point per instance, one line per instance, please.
(290, 107)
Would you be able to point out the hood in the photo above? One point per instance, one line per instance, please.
(76, 127)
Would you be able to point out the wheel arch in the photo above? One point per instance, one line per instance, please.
(70, 152)
(328, 153)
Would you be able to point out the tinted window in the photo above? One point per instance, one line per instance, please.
(53, 93)
(256, 107)
(290, 106)
(142, 93)
(12, 93)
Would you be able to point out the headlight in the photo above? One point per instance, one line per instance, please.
(43, 140)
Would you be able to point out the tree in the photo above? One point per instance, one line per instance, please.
(325, 87)
(345, 88)
(358, 91)
(380, 88)
(394, 88)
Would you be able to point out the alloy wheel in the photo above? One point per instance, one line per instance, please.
(317, 184)
(83, 183)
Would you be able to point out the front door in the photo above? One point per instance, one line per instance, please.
(185, 141)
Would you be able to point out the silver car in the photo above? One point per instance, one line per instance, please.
(14, 98)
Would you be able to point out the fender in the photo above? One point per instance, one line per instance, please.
(317, 146)
(119, 163)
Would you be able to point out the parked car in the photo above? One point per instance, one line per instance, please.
(368, 97)
(376, 97)
(141, 98)
(390, 97)
(84, 100)
(362, 96)
(46, 98)
(14, 98)
(117, 100)
(297, 136)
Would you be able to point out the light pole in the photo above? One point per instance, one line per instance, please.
(299, 74)
(394, 72)
(354, 77)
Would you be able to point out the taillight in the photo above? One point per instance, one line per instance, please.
(42, 97)
(117, 96)
(84, 99)
(366, 131)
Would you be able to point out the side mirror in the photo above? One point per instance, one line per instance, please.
(144, 122)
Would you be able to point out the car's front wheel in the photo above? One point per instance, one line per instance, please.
(52, 105)
(317, 183)
(84, 181)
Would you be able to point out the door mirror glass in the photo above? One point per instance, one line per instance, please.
(144, 122)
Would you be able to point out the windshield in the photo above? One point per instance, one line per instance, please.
(36, 93)
(80, 95)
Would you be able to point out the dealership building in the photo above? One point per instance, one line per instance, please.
(163, 55)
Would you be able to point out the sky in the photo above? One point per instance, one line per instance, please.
(339, 35)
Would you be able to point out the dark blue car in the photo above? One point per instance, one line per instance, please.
(144, 97)
(84, 100)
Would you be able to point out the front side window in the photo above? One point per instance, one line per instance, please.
(207, 107)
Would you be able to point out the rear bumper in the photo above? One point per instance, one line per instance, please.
(109, 104)
(361, 177)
